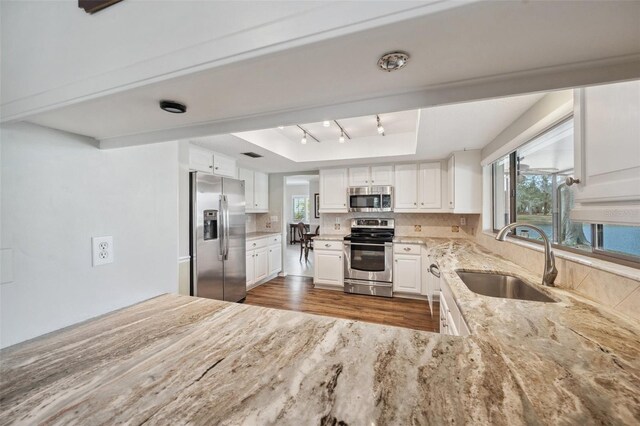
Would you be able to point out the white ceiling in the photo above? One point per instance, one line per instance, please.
(301, 179)
(483, 40)
(441, 130)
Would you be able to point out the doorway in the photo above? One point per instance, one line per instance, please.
(300, 208)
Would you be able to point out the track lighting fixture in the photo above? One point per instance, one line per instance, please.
(303, 141)
(305, 133)
(380, 128)
(343, 133)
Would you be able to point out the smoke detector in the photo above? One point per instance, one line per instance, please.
(393, 61)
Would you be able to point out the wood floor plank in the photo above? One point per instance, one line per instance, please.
(298, 294)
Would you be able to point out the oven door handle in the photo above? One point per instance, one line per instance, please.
(348, 243)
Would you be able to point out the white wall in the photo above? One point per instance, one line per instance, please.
(59, 190)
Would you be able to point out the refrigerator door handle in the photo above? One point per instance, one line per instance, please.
(226, 228)
(221, 228)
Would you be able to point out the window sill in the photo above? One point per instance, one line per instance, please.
(603, 265)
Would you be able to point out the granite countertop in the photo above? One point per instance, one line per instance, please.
(179, 359)
(408, 240)
(257, 235)
(330, 237)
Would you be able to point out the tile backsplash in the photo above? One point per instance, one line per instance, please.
(444, 225)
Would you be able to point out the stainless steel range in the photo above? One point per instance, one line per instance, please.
(368, 254)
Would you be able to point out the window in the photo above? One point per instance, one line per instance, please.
(300, 208)
(529, 186)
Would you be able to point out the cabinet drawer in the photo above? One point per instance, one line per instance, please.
(274, 239)
(327, 245)
(407, 248)
(259, 243)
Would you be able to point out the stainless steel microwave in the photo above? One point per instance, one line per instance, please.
(371, 199)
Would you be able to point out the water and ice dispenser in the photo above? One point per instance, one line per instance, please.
(210, 224)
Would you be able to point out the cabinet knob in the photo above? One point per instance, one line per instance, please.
(217, 168)
(407, 249)
(415, 204)
(422, 204)
(339, 257)
(570, 180)
(396, 260)
(256, 204)
(372, 181)
(211, 167)
(254, 244)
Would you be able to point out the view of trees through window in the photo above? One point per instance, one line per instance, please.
(542, 198)
(300, 208)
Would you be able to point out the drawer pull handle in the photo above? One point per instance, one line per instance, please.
(327, 245)
(407, 249)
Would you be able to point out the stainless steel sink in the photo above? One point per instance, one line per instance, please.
(505, 286)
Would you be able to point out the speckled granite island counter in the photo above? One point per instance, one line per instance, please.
(182, 360)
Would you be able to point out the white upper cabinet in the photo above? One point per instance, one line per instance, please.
(333, 191)
(367, 176)
(418, 187)
(261, 191)
(224, 166)
(200, 160)
(256, 190)
(359, 176)
(607, 154)
(247, 177)
(465, 182)
(382, 175)
(406, 188)
(430, 186)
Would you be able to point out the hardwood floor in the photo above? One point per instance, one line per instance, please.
(298, 294)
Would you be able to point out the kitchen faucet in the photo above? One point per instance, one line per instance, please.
(550, 271)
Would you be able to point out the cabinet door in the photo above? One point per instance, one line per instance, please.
(359, 176)
(406, 187)
(382, 175)
(200, 160)
(430, 186)
(261, 264)
(275, 259)
(261, 191)
(224, 166)
(328, 267)
(333, 190)
(607, 147)
(247, 177)
(406, 273)
(250, 267)
(451, 176)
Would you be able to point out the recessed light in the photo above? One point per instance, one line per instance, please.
(173, 107)
(326, 123)
(393, 61)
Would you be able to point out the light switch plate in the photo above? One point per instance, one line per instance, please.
(455, 228)
(102, 250)
(463, 221)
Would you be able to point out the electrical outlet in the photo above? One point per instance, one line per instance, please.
(336, 226)
(102, 250)
(463, 221)
(455, 228)
(274, 218)
(417, 228)
(268, 225)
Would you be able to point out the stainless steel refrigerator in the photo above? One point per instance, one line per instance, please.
(218, 238)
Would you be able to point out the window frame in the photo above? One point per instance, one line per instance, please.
(596, 252)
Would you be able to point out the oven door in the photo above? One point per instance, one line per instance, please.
(368, 261)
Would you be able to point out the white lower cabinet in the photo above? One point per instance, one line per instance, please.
(407, 268)
(250, 266)
(451, 319)
(329, 266)
(275, 259)
(263, 259)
